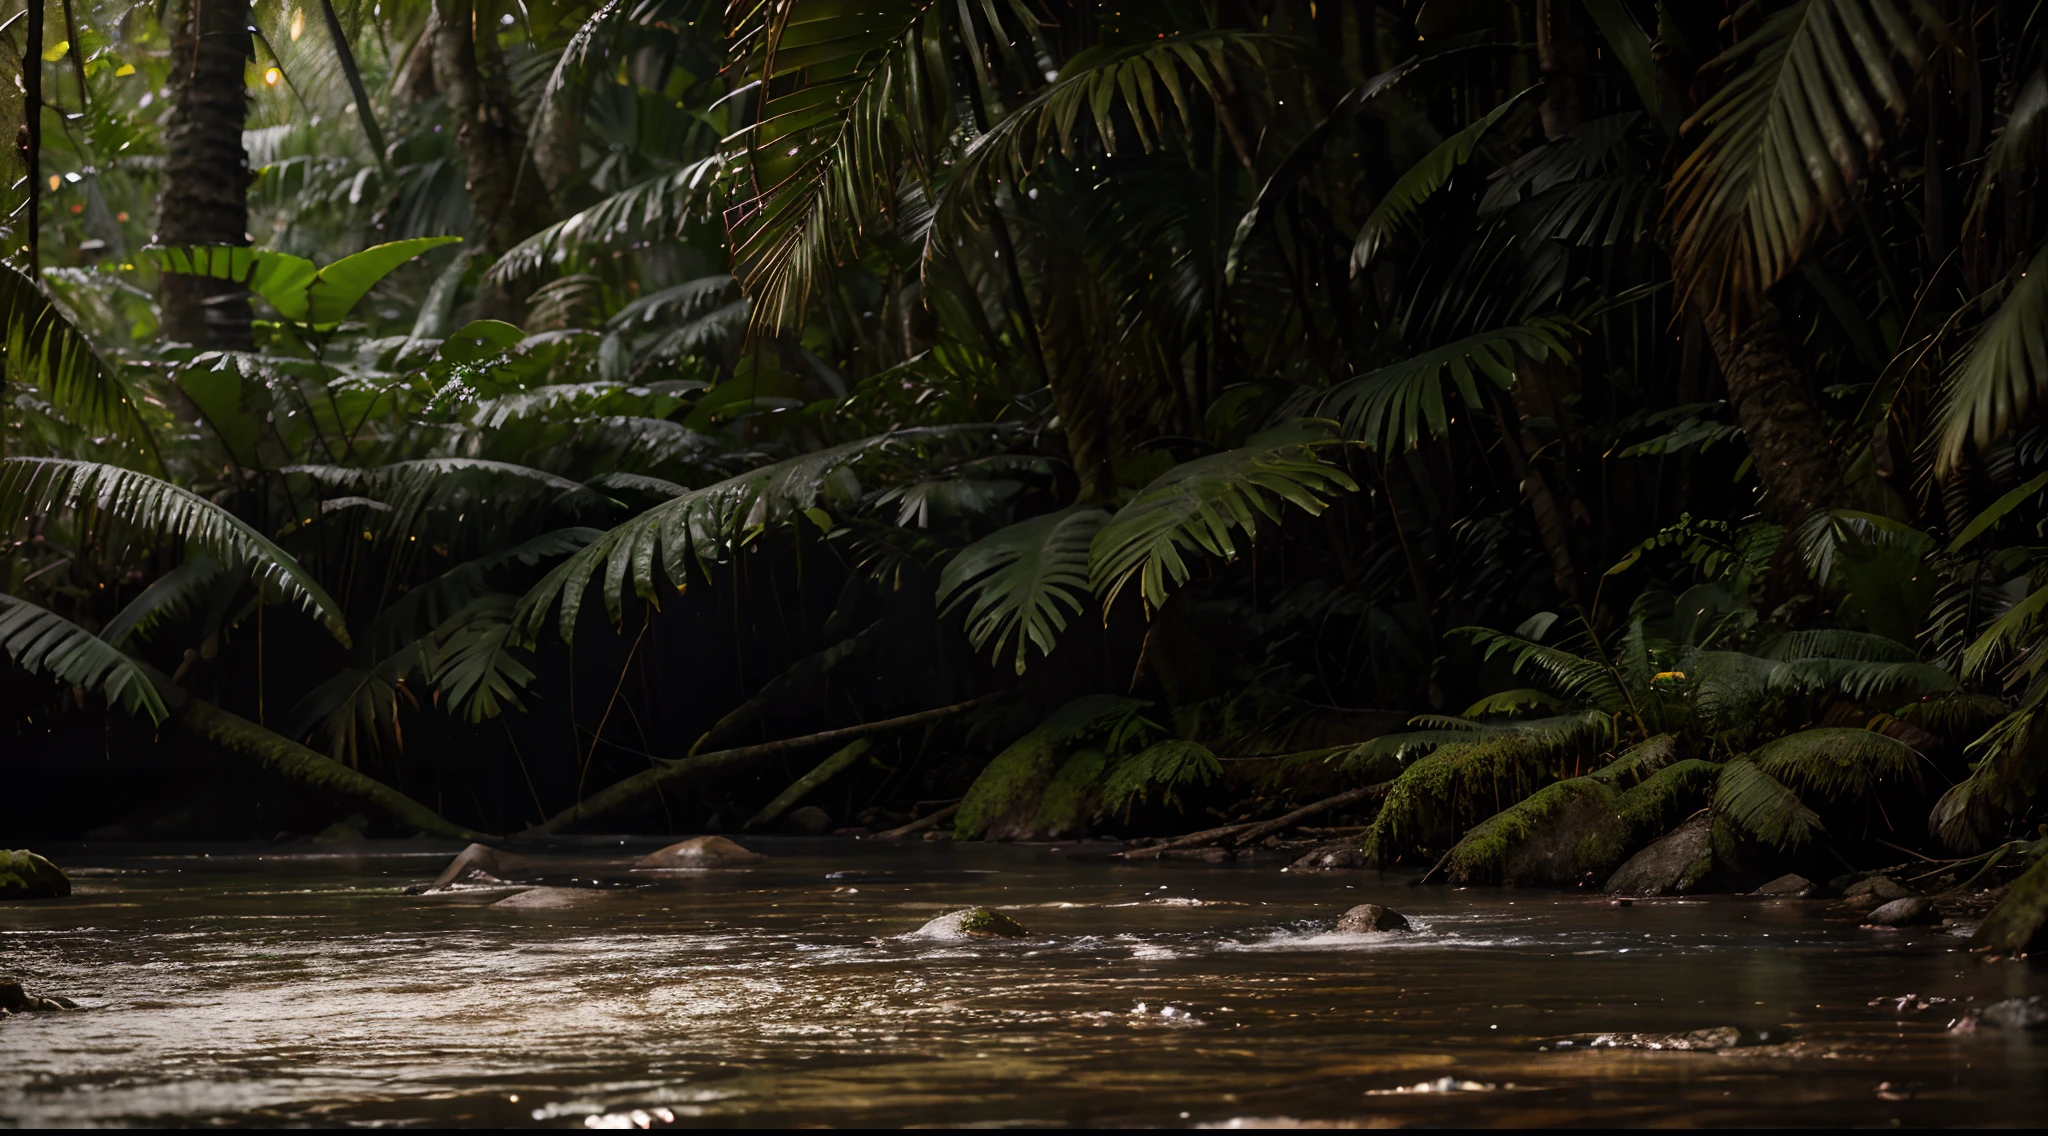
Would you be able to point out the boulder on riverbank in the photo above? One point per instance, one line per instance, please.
(1876, 889)
(1788, 886)
(25, 875)
(1371, 918)
(971, 923)
(2019, 924)
(700, 852)
(1674, 864)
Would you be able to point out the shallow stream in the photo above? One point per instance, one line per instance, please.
(242, 985)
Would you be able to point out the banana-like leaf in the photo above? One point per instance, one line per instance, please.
(1405, 199)
(29, 486)
(1788, 134)
(1201, 504)
(1020, 578)
(41, 344)
(301, 293)
(42, 642)
(1396, 407)
(2002, 374)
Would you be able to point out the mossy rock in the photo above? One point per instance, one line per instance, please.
(972, 923)
(1586, 826)
(1069, 801)
(2019, 924)
(1003, 802)
(25, 875)
(1677, 863)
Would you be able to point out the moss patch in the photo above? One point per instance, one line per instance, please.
(2019, 924)
(1003, 802)
(25, 875)
(1069, 801)
(1448, 790)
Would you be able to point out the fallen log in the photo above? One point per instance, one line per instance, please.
(919, 825)
(663, 771)
(1236, 835)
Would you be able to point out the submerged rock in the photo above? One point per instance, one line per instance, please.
(546, 898)
(1699, 1040)
(481, 864)
(1674, 864)
(1790, 884)
(1337, 856)
(25, 875)
(1881, 889)
(1370, 918)
(2016, 1013)
(1910, 911)
(971, 923)
(2019, 924)
(700, 852)
(15, 1000)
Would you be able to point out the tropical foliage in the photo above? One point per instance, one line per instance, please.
(1110, 414)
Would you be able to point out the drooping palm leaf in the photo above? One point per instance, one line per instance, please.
(40, 344)
(1023, 580)
(1998, 379)
(1839, 765)
(29, 486)
(1756, 803)
(1787, 137)
(1405, 199)
(658, 207)
(1199, 505)
(45, 643)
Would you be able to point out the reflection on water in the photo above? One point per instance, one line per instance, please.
(252, 987)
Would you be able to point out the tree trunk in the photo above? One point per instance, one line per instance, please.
(1786, 432)
(205, 198)
(506, 193)
(1566, 64)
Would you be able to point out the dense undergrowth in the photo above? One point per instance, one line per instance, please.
(1104, 418)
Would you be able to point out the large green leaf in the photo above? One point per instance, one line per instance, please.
(1202, 504)
(1756, 803)
(2002, 374)
(31, 486)
(43, 642)
(1788, 134)
(657, 207)
(301, 293)
(1023, 581)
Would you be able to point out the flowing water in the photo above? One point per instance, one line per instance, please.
(253, 986)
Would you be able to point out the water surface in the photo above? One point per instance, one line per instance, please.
(240, 985)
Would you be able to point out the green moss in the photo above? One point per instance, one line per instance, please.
(1002, 804)
(1069, 802)
(2019, 924)
(1443, 793)
(25, 875)
(1665, 798)
(987, 924)
(1554, 835)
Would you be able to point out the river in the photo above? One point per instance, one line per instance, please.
(260, 985)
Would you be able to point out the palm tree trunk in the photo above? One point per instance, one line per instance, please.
(1786, 432)
(205, 197)
(507, 195)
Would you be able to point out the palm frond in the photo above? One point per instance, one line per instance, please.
(40, 343)
(1838, 765)
(1580, 679)
(472, 659)
(1997, 379)
(1754, 802)
(1404, 200)
(169, 596)
(1788, 134)
(1200, 504)
(42, 642)
(1023, 580)
(1397, 406)
(1167, 767)
(658, 207)
(29, 486)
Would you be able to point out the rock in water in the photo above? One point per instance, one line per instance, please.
(699, 852)
(810, 819)
(2016, 1013)
(1882, 889)
(25, 875)
(1790, 884)
(1369, 918)
(476, 864)
(972, 923)
(547, 898)
(1674, 864)
(1332, 857)
(2019, 924)
(1907, 912)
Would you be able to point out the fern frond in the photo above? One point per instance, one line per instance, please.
(1839, 766)
(1754, 802)
(1397, 407)
(1168, 767)
(40, 344)
(1020, 579)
